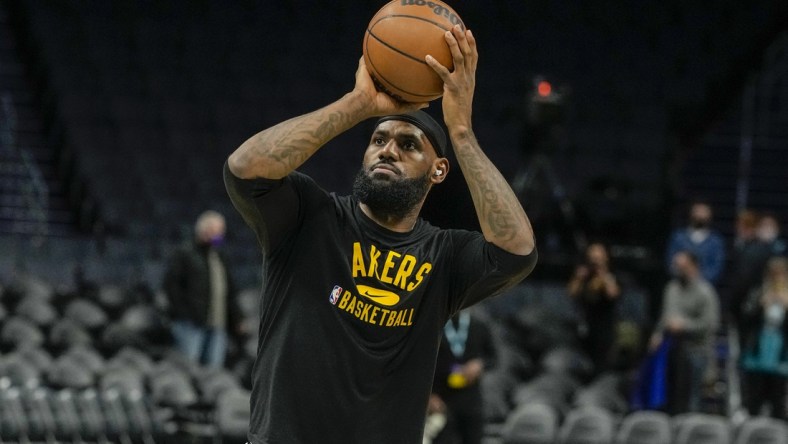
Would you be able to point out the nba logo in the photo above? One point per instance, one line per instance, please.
(335, 295)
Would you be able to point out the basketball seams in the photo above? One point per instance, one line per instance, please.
(397, 50)
(379, 78)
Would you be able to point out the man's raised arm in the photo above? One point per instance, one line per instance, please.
(503, 220)
(275, 152)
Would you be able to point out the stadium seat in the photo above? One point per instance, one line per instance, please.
(212, 383)
(40, 421)
(587, 425)
(644, 427)
(91, 416)
(19, 332)
(124, 380)
(568, 360)
(87, 314)
(67, 372)
(13, 421)
(496, 386)
(699, 428)
(760, 430)
(605, 391)
(68, 427)
(232, 415)
(552, 388)
(37, 356)
(16, 371)
(88, 356)
(117, 424)
(65, 334)
(38, 311)
(534, 423)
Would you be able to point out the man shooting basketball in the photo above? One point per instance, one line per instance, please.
(357, 289)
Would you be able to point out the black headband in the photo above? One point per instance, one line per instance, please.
(426, 123)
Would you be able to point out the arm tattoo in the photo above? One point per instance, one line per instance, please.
(500, 213)
(284, 147)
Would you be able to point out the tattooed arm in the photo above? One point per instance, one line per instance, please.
(275, 152)
(503, 220)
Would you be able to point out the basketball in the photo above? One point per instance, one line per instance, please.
(398, 38)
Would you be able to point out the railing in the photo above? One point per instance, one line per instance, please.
(34, 189)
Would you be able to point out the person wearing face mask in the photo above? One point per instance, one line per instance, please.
(201, 293)
(690, 318)
(765, 354)
(702, 240)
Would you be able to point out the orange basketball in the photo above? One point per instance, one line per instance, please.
(398, 38)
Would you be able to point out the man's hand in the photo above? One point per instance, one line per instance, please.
(655, 342)
(459, 84)
(472, 370)
(435, 405)
(675, 324)
(378, 103)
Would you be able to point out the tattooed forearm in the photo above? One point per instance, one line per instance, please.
(503, 220)
(276, 151)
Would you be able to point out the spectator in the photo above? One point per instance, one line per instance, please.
(765, 356)
(466, 351)
(596, 290)
(703, 241)
(768, 231)
(749, 259)
(690, 318)
(201, 293)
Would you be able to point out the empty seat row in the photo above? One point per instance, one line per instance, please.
(539, 423)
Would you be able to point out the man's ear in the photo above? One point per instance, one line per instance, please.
(440, 169)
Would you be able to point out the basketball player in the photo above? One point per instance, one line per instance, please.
(357, 289)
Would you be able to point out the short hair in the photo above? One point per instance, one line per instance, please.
(205, 218)
(691, 256)
(748, 218)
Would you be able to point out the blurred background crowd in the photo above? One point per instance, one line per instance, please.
(646, 140)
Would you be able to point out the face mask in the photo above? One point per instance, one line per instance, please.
(699, 223)
(767, 234)
(217, 240)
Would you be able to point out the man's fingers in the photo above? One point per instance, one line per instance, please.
(462, 40)
(441, 70)
(454, 47)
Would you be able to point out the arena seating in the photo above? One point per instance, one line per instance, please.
(143, 101)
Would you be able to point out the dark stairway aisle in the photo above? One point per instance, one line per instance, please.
(34, 199)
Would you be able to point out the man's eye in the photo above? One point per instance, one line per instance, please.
(410, 146)
(379, 141)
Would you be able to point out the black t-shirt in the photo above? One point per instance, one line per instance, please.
(352, 313)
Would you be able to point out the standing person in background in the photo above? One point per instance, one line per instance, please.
(356, 289)
(690, 317)
(201, 293)
(749, 259)
(466, 352)
(702, 240)
(596, 290)
(765, 353)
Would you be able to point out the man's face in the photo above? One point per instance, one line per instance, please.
(597, 255)
(700, 215)
(397, 170)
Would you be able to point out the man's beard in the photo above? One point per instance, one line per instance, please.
(392, 198)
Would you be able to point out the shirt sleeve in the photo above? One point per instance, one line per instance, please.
(481, 270)
(273, 209)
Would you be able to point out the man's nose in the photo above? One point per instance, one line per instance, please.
(390, 150)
